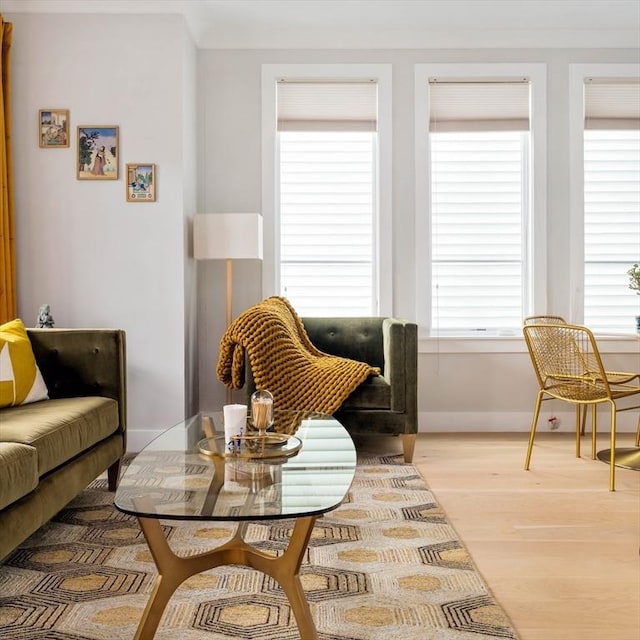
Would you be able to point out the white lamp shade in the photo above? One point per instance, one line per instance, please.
(218, 236)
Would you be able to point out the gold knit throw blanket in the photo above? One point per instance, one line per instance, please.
(284, 361)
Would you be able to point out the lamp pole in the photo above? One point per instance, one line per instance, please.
(229, 311)
(227, 236)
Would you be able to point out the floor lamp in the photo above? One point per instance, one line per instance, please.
(227, 236)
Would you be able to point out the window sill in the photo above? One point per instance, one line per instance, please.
(492, 342)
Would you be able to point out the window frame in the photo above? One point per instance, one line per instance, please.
(383, 259)
(578, 73)
(535, 227)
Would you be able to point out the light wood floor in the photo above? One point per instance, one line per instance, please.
(557, 549)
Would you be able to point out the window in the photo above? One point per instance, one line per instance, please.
(479, 134)
(604, 203)
(611, 201)
(327, 187)
(478, 203)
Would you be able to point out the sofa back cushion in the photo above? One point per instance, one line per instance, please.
(355, 338)
(81, 362)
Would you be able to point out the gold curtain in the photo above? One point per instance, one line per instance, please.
(8, 307)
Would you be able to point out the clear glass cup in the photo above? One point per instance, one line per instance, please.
(262, 411)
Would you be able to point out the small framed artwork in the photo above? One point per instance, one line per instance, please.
(97, 153)
(53, 128)
(141, 182)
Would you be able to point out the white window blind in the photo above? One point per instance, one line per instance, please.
(479, 105)
(611, 202)
(611, 104)
(327, 203)
(479, 205)
(327, 106)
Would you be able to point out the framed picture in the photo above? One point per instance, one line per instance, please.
(53, 128)
(97, 153)
(141, 182)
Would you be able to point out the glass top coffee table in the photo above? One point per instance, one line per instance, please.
(187, 474)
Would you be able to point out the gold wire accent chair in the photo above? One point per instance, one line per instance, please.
(544, 320)
(614, 377)
(568, 367)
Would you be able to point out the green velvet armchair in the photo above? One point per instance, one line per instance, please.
(385, 404)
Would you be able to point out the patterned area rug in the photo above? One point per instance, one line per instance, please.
(386, 564)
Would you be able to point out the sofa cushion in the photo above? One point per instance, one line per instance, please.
(18, 471)
(60, 429)
(373, 393)
(355, 338)
(20, 378)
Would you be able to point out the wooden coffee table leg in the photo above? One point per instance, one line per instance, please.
(173, 570)
(170, 577)
(286, 570)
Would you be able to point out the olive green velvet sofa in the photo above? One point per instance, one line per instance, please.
(52, 449)
(382, 405)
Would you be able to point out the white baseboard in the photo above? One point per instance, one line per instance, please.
(138, 439)
(470, 421)
(462, 421)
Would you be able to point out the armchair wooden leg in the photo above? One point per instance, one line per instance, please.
(113, 474)
(408, 446)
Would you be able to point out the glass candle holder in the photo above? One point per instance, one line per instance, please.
(262, 410)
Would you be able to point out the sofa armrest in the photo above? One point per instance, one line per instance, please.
(83, 362)
(400, 339)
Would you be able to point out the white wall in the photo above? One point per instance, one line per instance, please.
(229, 181)
(189, 192)
(99, 261)
(96, 259)
(463, 385)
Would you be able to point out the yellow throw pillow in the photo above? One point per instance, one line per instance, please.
(20, 379)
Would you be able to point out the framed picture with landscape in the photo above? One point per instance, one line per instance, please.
(141, 182)
(98, 150)
(53, 128)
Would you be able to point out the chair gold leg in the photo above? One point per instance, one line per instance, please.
(408, 446)
(594, 430)
(578, 423)
(638, 433)
(532, 435)
(584, 417)
(612, 462)
(173, 570)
